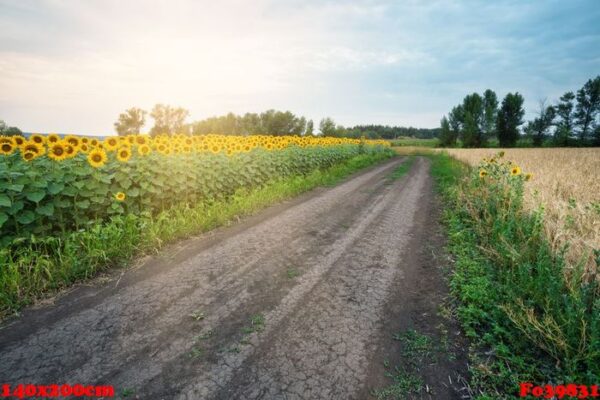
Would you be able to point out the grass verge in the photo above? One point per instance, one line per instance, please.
(531, 317)
(49, 264)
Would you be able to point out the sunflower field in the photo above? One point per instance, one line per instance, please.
(51, 184)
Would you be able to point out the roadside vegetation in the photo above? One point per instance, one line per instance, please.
(531, 315)
(65, 215)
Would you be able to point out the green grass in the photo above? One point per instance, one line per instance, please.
(292, 272)
(530, 319)
(403, 386)
(46, 265)
(408, 141)
(403, 168)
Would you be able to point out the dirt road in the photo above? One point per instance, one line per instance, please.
(298, 302)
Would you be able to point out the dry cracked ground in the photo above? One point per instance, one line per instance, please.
(337, 294)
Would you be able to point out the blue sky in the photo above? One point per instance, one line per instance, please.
(73, 66)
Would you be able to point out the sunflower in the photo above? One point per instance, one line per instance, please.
(70, 150)
(72, 140)
(124, 154)
(528, 176)
(97, 158)
(39, 139)
(144, 150)
(7, 148)
(515, 170)
(120, 196)
(84, 148)
(19, 140)
(111, 143)
(28, 155)
(85, 140)
(162, 148)
(215, 148)
(7, 139)
(94, 142)
(482, 173)
(141, 140)
(57, 151)
(34, 148)
(53, 138)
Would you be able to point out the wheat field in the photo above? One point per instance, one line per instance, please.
(566, 182)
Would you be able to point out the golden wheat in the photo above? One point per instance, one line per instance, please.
(566, 183)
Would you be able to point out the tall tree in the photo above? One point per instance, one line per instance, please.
(490, 112)
(539, 127)
(447, 135)
(327, 127)
(472, 123)
(587, 108)
(310, 127)
(564, 126)
(130, 122)
(510, 117)
(168, 120)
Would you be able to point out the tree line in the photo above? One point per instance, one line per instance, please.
(573, 121)
(171, 120)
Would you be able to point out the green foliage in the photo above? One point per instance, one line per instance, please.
(158, 210)
(44, 197)
(539, 127)
(403, 168)
(409, 141)
(270, 122)
(168, 120)
(510, 117)
(9, 130)
(518, 301)
(448, 136)
(327, 127)
(587, 109)
(130, 122)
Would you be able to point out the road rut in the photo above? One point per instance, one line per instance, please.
(293, 303)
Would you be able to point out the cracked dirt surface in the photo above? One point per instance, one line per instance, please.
(297, 302)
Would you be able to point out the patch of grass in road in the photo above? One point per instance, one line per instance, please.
(416, 347)
(403, 385)
(126, 392)
(206, 335)
(416, 350)
(196, 352)
(403, 168)
(197, 315)
(292, 272)
(46, 266)
(257, 324)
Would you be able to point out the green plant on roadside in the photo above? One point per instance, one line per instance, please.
(518, 301)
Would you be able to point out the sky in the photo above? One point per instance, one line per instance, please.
(72, 66)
